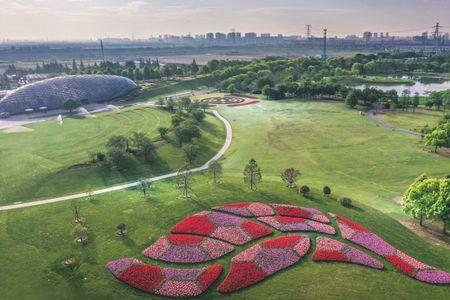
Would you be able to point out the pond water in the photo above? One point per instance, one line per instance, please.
(421, 87)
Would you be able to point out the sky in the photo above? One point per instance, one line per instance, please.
(86, 19)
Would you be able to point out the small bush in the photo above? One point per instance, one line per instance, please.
(326, 190)
(304, 190)
(346, 202)
(101, 156)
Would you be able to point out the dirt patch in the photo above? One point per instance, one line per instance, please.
(17, 129)
(431, 232)
(398, 200)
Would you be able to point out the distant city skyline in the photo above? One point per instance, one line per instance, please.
(86, 19)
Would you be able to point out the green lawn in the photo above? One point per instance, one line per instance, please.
(413, 121)
(39, 164)
(329, 143)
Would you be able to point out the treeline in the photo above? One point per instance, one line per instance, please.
(278, 78)
(144, 69)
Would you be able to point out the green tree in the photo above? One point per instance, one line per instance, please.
(194, 67)
(415, 101)
(191, 153)
(186, 131)
(215, 169)
(145, 185)
(144, 145)
(419, 198)
(117, 148)
(290, 176)
(252, 175)
(71, 105)
(122, 229)
(441, 206)
(163, 132)
(437, 138)
(352, 99)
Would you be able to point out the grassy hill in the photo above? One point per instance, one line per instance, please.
(329, 143)
(43, 162)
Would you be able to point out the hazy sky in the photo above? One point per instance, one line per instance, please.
(83, 19)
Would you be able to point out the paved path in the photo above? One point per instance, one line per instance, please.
(372, 116)
(219, 154)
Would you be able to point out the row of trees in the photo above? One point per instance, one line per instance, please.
(429, 198)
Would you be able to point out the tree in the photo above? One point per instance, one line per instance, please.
(290, 177)
(75, 206)
(186, 131)
(145, 185)
(441, 206)
(144, 145)
(71, 105)
(436, 97)
(117, 147)
(81, 234)
(122, 228)
(252, 175)
(405, 99)
(326, 190)
(163, 132)
(346, 202)
(215, 169)
(436, 138)
(185, 181)
(352, 99)
(185, 103)
(305, 190)
(418, 199)
(194, 67)
(191, 153)
(415, 101)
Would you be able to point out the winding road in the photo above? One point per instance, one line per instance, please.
(227, 144)
(372, 116)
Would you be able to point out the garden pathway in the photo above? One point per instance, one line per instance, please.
(372, 116)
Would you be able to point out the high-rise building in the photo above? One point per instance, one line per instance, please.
(367, 36)
(250, 35)
(210, 36)
(220, 36)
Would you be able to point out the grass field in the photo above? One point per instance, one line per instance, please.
(40, 163)
(329, 143)
(413, 121)
(375, 80)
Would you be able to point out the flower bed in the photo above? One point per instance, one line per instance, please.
(263, 260)
(300, 212)
(290, 224)
(247, 209)
(232, 229)
(244, 103)
(183, 248)
(168, 282)
(360, 235)
(331, 250)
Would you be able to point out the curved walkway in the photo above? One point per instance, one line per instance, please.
(205, 166)
(371, 115)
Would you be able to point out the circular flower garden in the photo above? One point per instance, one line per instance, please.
(209, 235)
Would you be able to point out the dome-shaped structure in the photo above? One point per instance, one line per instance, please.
(52, 93)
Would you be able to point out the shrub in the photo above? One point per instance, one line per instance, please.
(101, 156)
(326, 190)
(304, 190)
(346, 202)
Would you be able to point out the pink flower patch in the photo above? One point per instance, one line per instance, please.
(292, 224)
(247, 209)
(300, 212)
(182, 248)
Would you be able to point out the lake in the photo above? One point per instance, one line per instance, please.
(423, 88)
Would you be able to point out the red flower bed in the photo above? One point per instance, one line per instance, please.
(144, 277)
(184, 239)
(282, 242)
(401, 265)
(256, 230)
(300, 212)
(194, 225)
(169, 282)
(329, 256)
(244, 274)
(352, 224)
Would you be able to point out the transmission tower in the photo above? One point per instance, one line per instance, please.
(437, 34)
(325, 43)
(308, 31)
